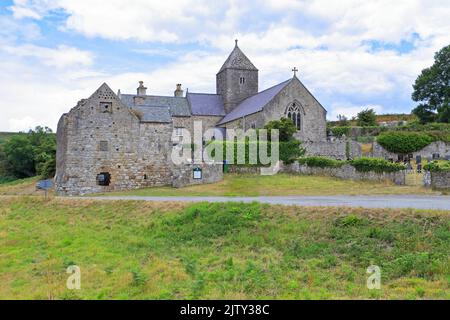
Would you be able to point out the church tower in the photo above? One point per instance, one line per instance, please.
(237, 79)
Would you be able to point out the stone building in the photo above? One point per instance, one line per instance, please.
(122, 141)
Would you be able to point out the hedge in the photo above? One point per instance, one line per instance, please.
(320, 162)
(404, 142)
(340, 131)
(289, 151)
(437, 166)
(360, 164)
(376, 164)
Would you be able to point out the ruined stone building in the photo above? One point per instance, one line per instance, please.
(121, 141)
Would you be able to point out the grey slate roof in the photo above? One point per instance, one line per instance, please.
(254, 103)
(154, 114)
(237, 60)
(177, 106)
(205, 104)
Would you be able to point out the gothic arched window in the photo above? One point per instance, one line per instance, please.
(293, 112)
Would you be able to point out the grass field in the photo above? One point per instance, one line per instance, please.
(280, 185)
(135, 250)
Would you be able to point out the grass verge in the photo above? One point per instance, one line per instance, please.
(136, 250)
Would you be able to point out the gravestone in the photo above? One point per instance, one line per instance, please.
(418, 159)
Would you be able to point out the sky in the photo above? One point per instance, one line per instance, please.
(351, 54)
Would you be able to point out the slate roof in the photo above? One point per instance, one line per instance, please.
(254, 103)
(177, 106)
(205, 104)
(237, 60)
(154, 114)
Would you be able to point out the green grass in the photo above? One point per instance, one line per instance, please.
(135, 250)
(280, 185)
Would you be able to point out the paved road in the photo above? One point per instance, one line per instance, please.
(407, 201)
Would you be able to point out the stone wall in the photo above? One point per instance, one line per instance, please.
(244, 169)
(101, 135)
(183, 175)
(440, 180)
(346, 172)
(442, 148)
(336, 149)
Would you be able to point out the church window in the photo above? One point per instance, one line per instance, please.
(103, 146)
(104, 179)
(241, 80)
(293, 112)
(253, 125)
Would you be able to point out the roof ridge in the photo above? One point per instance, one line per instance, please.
(286, 81)
(209, 94)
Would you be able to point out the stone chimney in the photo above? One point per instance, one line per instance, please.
(141, 90)
(178, 92)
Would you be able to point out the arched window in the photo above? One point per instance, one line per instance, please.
(293, 112)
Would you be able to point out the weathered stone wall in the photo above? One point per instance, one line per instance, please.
(442, 148)
(440, 180)
(232, 91)
(336, 149)
(346, 172)
(244, 169)
(313, 121)
(101, 135)
(183, 175)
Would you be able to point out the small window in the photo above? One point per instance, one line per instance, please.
(242, 80)
(179, 132)
(145, 177)
(104, 179)
(105, 107)
(103, 146)
(253, 126)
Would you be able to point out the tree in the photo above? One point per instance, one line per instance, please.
(432, 90)
(290, 148)
(366, 118)
(343, 120)
(285, 126)
(30, 154)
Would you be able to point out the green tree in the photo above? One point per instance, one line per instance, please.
(432, 90)
(366, 118)
(28, 155)
(285, 126)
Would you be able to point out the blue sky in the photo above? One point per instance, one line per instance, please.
(351, 54)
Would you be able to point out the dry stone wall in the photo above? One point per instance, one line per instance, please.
(346, 172)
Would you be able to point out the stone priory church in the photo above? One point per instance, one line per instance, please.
(124, 141)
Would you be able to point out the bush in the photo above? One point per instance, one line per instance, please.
(366, 117)
(404, 142)
(437, 166)
(321, 162)
(289, 151)
(375, 164)
(340, 131)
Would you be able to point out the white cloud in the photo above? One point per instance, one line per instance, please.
(61, 57)
(326, 40)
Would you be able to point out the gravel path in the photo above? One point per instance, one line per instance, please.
(397, 201)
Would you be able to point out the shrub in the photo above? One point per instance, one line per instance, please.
(340, 131)
(290, 151)
(366, 117)
(320, 162)
(437, 166)
(404, 142)
(375, 164)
